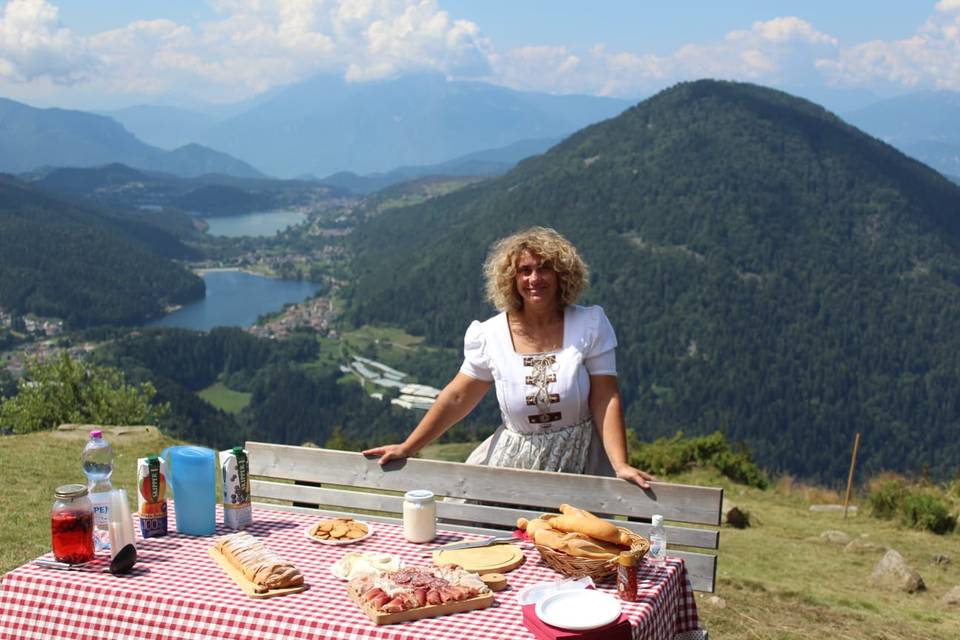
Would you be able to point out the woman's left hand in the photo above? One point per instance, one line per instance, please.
(634, 475)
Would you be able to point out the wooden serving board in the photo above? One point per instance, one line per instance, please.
(418, 613)
(244, 583)
(498, 558)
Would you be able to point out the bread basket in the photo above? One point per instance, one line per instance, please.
(599, 570)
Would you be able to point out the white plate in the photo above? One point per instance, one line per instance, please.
(306, 532)
(578, 609)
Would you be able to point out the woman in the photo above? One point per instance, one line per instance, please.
(552, 363)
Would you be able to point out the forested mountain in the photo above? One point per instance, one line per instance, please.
(32, 138)
(210, 194)
(86, 265)
(770, 270)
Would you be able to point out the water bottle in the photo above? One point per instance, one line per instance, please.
(658, 542)
(97, 460)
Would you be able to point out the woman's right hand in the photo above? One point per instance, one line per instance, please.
(388, 452)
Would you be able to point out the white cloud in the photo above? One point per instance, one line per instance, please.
(930, 58)
(250, 46)
(34, 45)
(777, 51)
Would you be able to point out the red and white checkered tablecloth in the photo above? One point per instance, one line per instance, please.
(178, 591)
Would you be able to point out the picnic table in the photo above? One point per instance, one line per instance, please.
(178, 591)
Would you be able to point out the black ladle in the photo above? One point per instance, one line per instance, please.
(124, 560)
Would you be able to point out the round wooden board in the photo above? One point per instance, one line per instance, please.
(499, 558)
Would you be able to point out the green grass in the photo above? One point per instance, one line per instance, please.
(777, 580)
(32, 466)
(452, 452)
(225, 399)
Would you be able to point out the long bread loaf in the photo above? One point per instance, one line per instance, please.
(261, 566)
(576, 520)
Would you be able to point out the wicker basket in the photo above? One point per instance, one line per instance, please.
(599, 570)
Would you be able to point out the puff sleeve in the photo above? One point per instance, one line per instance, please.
(600, 355)
(476, 361)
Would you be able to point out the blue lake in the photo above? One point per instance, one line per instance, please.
(236, 299)
(260, 223)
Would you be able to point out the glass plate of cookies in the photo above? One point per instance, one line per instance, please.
(339, 531)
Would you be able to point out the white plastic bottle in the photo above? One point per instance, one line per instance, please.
(658, 542)
(97, 461)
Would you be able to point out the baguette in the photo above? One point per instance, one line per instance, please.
(577, 522)
(258, 564)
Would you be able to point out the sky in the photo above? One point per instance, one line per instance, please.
(100, 54)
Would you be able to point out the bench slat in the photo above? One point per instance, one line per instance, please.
(479, 514)
(683, 503)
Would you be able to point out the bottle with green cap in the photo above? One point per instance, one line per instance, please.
(235, 473)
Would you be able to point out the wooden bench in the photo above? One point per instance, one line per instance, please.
(341, 481)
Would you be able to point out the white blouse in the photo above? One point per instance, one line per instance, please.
(544, 398)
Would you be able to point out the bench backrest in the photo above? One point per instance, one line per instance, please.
(348, 481)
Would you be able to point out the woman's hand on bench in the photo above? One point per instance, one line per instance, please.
(388, 452)
(632, 474)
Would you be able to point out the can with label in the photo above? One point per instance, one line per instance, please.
(151, 496)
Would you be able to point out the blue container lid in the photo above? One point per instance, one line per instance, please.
(191, 455)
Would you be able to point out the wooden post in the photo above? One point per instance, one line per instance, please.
(853, 466)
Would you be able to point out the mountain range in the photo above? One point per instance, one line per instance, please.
(923, 125)
(326, 125)
(32, 138)
(770, 270)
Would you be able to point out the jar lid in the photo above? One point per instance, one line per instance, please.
(627, 558)
(71, 491)
(418, 495)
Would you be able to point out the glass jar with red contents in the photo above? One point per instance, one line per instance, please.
(71, 524)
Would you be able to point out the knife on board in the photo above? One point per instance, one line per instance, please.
(492, 540)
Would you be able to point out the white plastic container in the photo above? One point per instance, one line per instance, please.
(419, 516)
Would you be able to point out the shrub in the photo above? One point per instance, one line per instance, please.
(667, 456)
(925, 511)
(886, 497)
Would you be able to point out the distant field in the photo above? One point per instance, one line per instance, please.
(368, 334)
(225, 399)
(453, 452)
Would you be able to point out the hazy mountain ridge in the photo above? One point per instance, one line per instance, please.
(770, 270)
(32, 138)
(923, 125)
(326, 125)
(485, 163)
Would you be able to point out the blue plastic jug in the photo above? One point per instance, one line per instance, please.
(192, 476)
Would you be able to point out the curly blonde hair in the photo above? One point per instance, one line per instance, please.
(500, 268)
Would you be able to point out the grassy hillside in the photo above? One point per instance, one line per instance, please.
(776, 579)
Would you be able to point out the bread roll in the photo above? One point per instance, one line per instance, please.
(261, 566)
(549, 537)
(576, 520)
